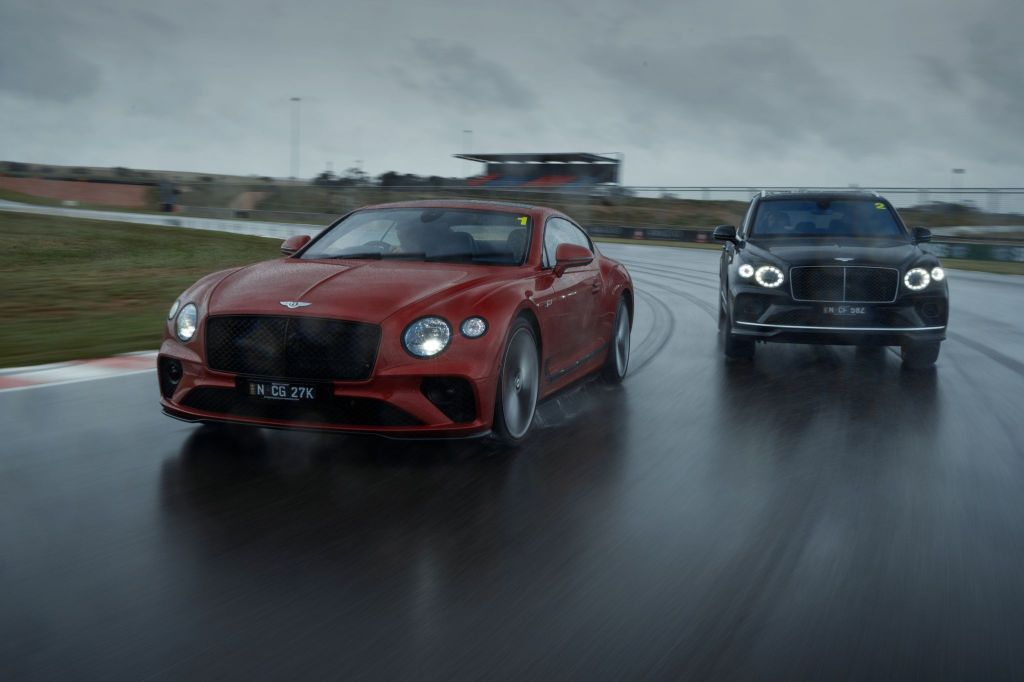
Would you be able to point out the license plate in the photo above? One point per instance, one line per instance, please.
(277, 390)
(852, 310)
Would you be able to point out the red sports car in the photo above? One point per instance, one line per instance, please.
(426, 318)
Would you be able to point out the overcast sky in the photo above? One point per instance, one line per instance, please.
(738, 92)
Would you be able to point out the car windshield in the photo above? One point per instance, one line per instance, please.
(428, 234)
(857, 218)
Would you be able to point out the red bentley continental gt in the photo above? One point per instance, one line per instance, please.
(427, 318)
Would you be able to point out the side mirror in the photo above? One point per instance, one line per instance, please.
(922, 234)
(725, 233)
(571, 256)
(293, 244)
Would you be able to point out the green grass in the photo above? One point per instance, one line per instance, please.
(85, 288)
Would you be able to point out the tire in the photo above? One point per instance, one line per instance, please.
(615, 366)
(920, 355)
(735, 349)
(518, 385)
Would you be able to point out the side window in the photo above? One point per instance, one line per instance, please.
(745, 228)
(560, 231)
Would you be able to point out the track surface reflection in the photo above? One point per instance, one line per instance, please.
(820, 513)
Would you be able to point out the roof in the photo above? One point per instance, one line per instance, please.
(575, 157)
(820, 194)
(509, 206)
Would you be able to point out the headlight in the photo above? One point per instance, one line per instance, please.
(174, 309)
(746, 271)
(185, 326)
(938, 274)
(427, 337)
(473, 327)
(916, 279)
(769, 276)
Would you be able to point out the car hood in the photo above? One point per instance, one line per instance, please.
(890, 253)
(367, 291)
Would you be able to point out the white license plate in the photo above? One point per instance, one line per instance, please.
(844, 310)
(276, 390)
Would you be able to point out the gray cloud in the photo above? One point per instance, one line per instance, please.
(760, 88)
(457, 76)
(701, 92)
(34, 65)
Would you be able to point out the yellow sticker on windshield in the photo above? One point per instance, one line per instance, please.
(523, 219)
(879, 205)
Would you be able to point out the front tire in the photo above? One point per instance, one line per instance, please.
(618, 353)
(518, 385)
(919, 356)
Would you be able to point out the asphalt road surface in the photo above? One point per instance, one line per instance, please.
(820, 514)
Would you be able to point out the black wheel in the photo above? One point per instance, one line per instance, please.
(920, 355)
(518, 385)
(618, 353)
(735, 349)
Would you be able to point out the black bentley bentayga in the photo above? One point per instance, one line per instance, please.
(830, 268)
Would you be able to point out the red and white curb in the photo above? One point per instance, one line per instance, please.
(16, 378)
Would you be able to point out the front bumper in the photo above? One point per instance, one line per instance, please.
(775, 316)
(399, 405)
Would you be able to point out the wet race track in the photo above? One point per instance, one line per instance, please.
(819, 514)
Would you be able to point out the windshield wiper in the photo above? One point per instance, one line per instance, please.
(469, 257)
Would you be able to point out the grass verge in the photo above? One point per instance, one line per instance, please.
(85, 288)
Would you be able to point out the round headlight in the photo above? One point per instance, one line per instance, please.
(938, 274)
(473, 327)
(916, 279)
(427, 337)
(174, 309)
(746, 271)
(769, 276)
(185, 326)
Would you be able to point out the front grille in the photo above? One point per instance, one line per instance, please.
(292, 347)
(339, 410)
(851, 284)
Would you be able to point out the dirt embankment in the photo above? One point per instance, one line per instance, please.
(98, 193)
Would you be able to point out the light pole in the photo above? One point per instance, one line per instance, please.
(296, 123)
(467, 142)
(953, 180)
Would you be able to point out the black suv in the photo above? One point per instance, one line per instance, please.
(830, 268)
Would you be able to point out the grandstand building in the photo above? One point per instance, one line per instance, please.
(545, 171)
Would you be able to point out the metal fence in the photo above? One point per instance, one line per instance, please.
(658, 207)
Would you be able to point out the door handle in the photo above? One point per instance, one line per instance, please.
(595, 286)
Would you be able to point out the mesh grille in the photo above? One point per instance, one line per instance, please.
(817, 284)
(871, 284)
(332, 410)
(844, 284)
(292, 347)
(452, 395)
